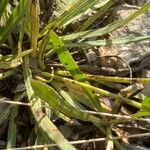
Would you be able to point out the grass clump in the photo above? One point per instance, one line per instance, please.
(40, 60)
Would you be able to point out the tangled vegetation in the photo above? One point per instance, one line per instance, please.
(43, 76)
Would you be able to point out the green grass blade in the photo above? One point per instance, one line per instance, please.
(42, 48)
(43, 122)
(41, 139)
(12, 129)
(118, 41)
(66, 96)
(109, 28)
(48, 94)
(47, 127)
(77, 9)
(104, 8)
(23, 28)
(3, 5)
(88, 44)
(66, 58)
(97, 90)
(5, 114)
(145, 108)
(69, 63)
(50, 130)
(17, 14)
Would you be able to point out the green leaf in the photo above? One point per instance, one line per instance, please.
(41, 138)
(90, 87)
(66, 58)
(49, 95)
(146, 104)
(43, 122)
(17, 14)
(141, 114)
(145, 108)
(50, 130)
(12, 130)
(69, 63)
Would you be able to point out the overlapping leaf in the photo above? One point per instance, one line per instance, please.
(17, 14)
(69, 63)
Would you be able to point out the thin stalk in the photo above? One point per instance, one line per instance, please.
(97, 90)
(98, 78)
(34, 26)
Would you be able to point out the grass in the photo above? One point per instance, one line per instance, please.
(31, 44)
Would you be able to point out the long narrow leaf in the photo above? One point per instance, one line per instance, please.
(97, 90)
(17, 14)
(106, 5)
(48, 94)
(109, 28)
(75, 10)
(12, 130)
(69, 63)
(3, 5)
(117, 41)
(43, 122)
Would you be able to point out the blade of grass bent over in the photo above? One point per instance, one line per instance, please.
(69, 63)
(43, 122)
(58, 103)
